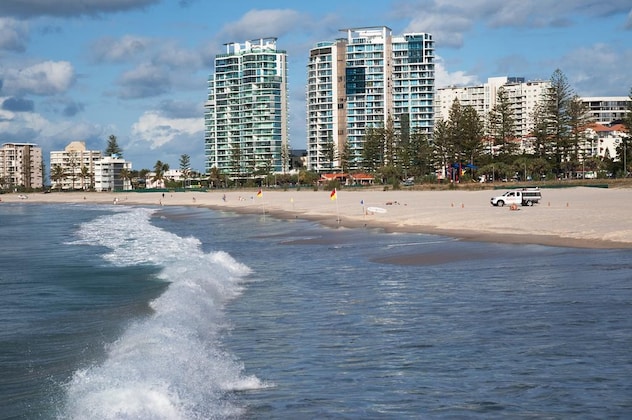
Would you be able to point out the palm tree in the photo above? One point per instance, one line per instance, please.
(142, 175)
(215, 178)
(73, 163)
(4, 182)
(159, 171)
(85, 174)
(57, 175)
(125, 173)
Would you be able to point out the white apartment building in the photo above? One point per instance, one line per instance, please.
(602, 140)
(326, 121)
(78, 165)
(606, 109)
(20, 166)
(523, 96)
(246, 112)
(170, 175)
(359, 82)
(606, 133)
(107, 174)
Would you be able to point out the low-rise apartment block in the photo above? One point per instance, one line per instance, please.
(112, 174)
(77, 165)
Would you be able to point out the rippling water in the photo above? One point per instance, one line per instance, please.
(113, 312)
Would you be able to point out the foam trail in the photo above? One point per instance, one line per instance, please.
(170, 365)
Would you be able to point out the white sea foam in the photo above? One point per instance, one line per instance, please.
(169, 365)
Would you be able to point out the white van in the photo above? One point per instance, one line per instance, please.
(522, 197)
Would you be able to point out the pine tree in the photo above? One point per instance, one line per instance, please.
(113, 148)
(623, 150)
(501, 126)
(557, 115)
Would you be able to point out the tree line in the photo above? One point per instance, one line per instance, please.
(489, 145)
(464, 146)
(136, 177)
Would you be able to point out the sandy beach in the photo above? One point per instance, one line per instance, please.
(585, 217)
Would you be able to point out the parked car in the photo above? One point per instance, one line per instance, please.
(523, 197)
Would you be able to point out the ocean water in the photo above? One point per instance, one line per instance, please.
(114, 312)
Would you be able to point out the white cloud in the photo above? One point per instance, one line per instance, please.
(49, 135)
(144, 81)
(443, 78)
(30, 8)
(447, 29)
(263, 23)
(116, 50)
(586, 67)
(450, 20)
(13, 35)
(157, 130)
(175, 57)
(45, 78)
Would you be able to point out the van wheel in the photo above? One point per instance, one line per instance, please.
(529, 203)
(501, 203)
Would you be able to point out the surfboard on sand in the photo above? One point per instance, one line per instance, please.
(375, 210)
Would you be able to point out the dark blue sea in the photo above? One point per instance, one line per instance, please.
(114, 312)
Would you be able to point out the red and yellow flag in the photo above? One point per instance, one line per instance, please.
(260, 193)
(333, 194)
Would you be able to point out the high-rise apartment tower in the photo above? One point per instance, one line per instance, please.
(359, 82)
(246, 112)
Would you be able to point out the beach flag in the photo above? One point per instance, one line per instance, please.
(333, 194)
(260, 193)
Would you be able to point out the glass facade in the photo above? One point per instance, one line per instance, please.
(372, 76)
(246, 112)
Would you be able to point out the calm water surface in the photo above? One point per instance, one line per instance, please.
(184, 313)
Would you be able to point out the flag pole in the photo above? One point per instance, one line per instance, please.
(263, 203)
(337, 209)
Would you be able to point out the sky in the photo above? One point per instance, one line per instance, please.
(82, 70)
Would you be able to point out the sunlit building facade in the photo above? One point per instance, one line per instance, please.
(246, 112)
(20, 166)
(361, 81)
(523, 97)
(607, 109)
(77, 163)
(109, 174)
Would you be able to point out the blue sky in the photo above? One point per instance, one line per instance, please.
(84, 69)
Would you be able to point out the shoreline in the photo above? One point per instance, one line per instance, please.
(577, 217)
(468, 236)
